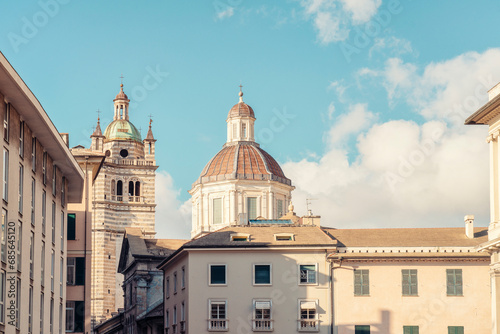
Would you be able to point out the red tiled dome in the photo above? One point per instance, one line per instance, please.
(242, 161)
(241, 109)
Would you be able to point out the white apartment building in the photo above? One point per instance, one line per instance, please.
(40, 177)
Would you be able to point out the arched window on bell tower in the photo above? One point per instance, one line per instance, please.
(131, 188)
(137, 188)
(119, 188)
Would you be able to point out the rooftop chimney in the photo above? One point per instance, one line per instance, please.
(469, 226)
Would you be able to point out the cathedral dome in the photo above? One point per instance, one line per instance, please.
(242, 161)
(121, 129)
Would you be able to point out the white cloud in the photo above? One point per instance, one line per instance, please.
(361, 11)
(225, 13)
(393, 45)
(406, 174)
(449, 90)
(333, 19)
(331, 110)
(173, 217)
(349, 124)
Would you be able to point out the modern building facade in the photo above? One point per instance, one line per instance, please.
(241, 182)
(40, 178)
(122, 195)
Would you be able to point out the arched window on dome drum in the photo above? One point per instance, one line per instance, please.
(131, 188)
(113, 187)
(137, 188)
(244, 130)
(119, 188)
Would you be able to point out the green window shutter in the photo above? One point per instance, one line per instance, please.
(405, 282)
(458, 284)
(456, 329)
(357, 282)
(410, 329)
(450, 282)
(413, 282)
(366, 283)
(361, 329)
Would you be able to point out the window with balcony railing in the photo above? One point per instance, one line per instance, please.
(217, 321)
(262, 321)
(308, 321)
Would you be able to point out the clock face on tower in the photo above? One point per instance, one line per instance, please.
(124, 153)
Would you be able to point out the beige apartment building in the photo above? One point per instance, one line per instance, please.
(40, 178)
(120, 177)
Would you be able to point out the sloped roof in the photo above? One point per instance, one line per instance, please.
(264, 236)
(408, 237)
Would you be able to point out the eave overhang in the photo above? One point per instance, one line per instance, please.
(29, 108)
(486, 113)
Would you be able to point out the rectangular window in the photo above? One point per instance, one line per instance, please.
(167, 287)
(2, 296)
(75, 316)
(308, 274)
(54, 175)
(6, 119)
(32, 253)
(361, 282)
(33, 154)
(61, 275)
(455, 329)
(44, 210)
(44, 168)
(30, 311)
(217, 316)
(167, 319)
(262, 316)
(410, 329)
(308, 320)
(217, 274)
(19, 244)
(32, 203)
(21, 139)
(454, 282)
(42, 304)
(175, 282)
(62, 231)
(52, 268)
(20, 193)
(279, 207)
(71, 226)
(5, 175)
(175, 317)
(60, 318)
(183, 311)
(18, 300)
(262, 274)
(42, 264)
(63, 191)
(53, 222)
(70, 270)
(362, 329)
(51, 318)
(252, 207)
(4, 236)
(217, 204)
(409, 283)
(183, 278)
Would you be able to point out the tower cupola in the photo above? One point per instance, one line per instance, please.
(121, 105)
(240, 122)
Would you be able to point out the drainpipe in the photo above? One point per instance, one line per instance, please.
(85, 235)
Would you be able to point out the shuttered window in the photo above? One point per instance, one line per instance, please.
(361, 282)
(410, 329)
(455, 330)
(454, 282)
(217, 207)
(409, 283)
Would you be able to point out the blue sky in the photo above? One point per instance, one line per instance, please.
(361, 101)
